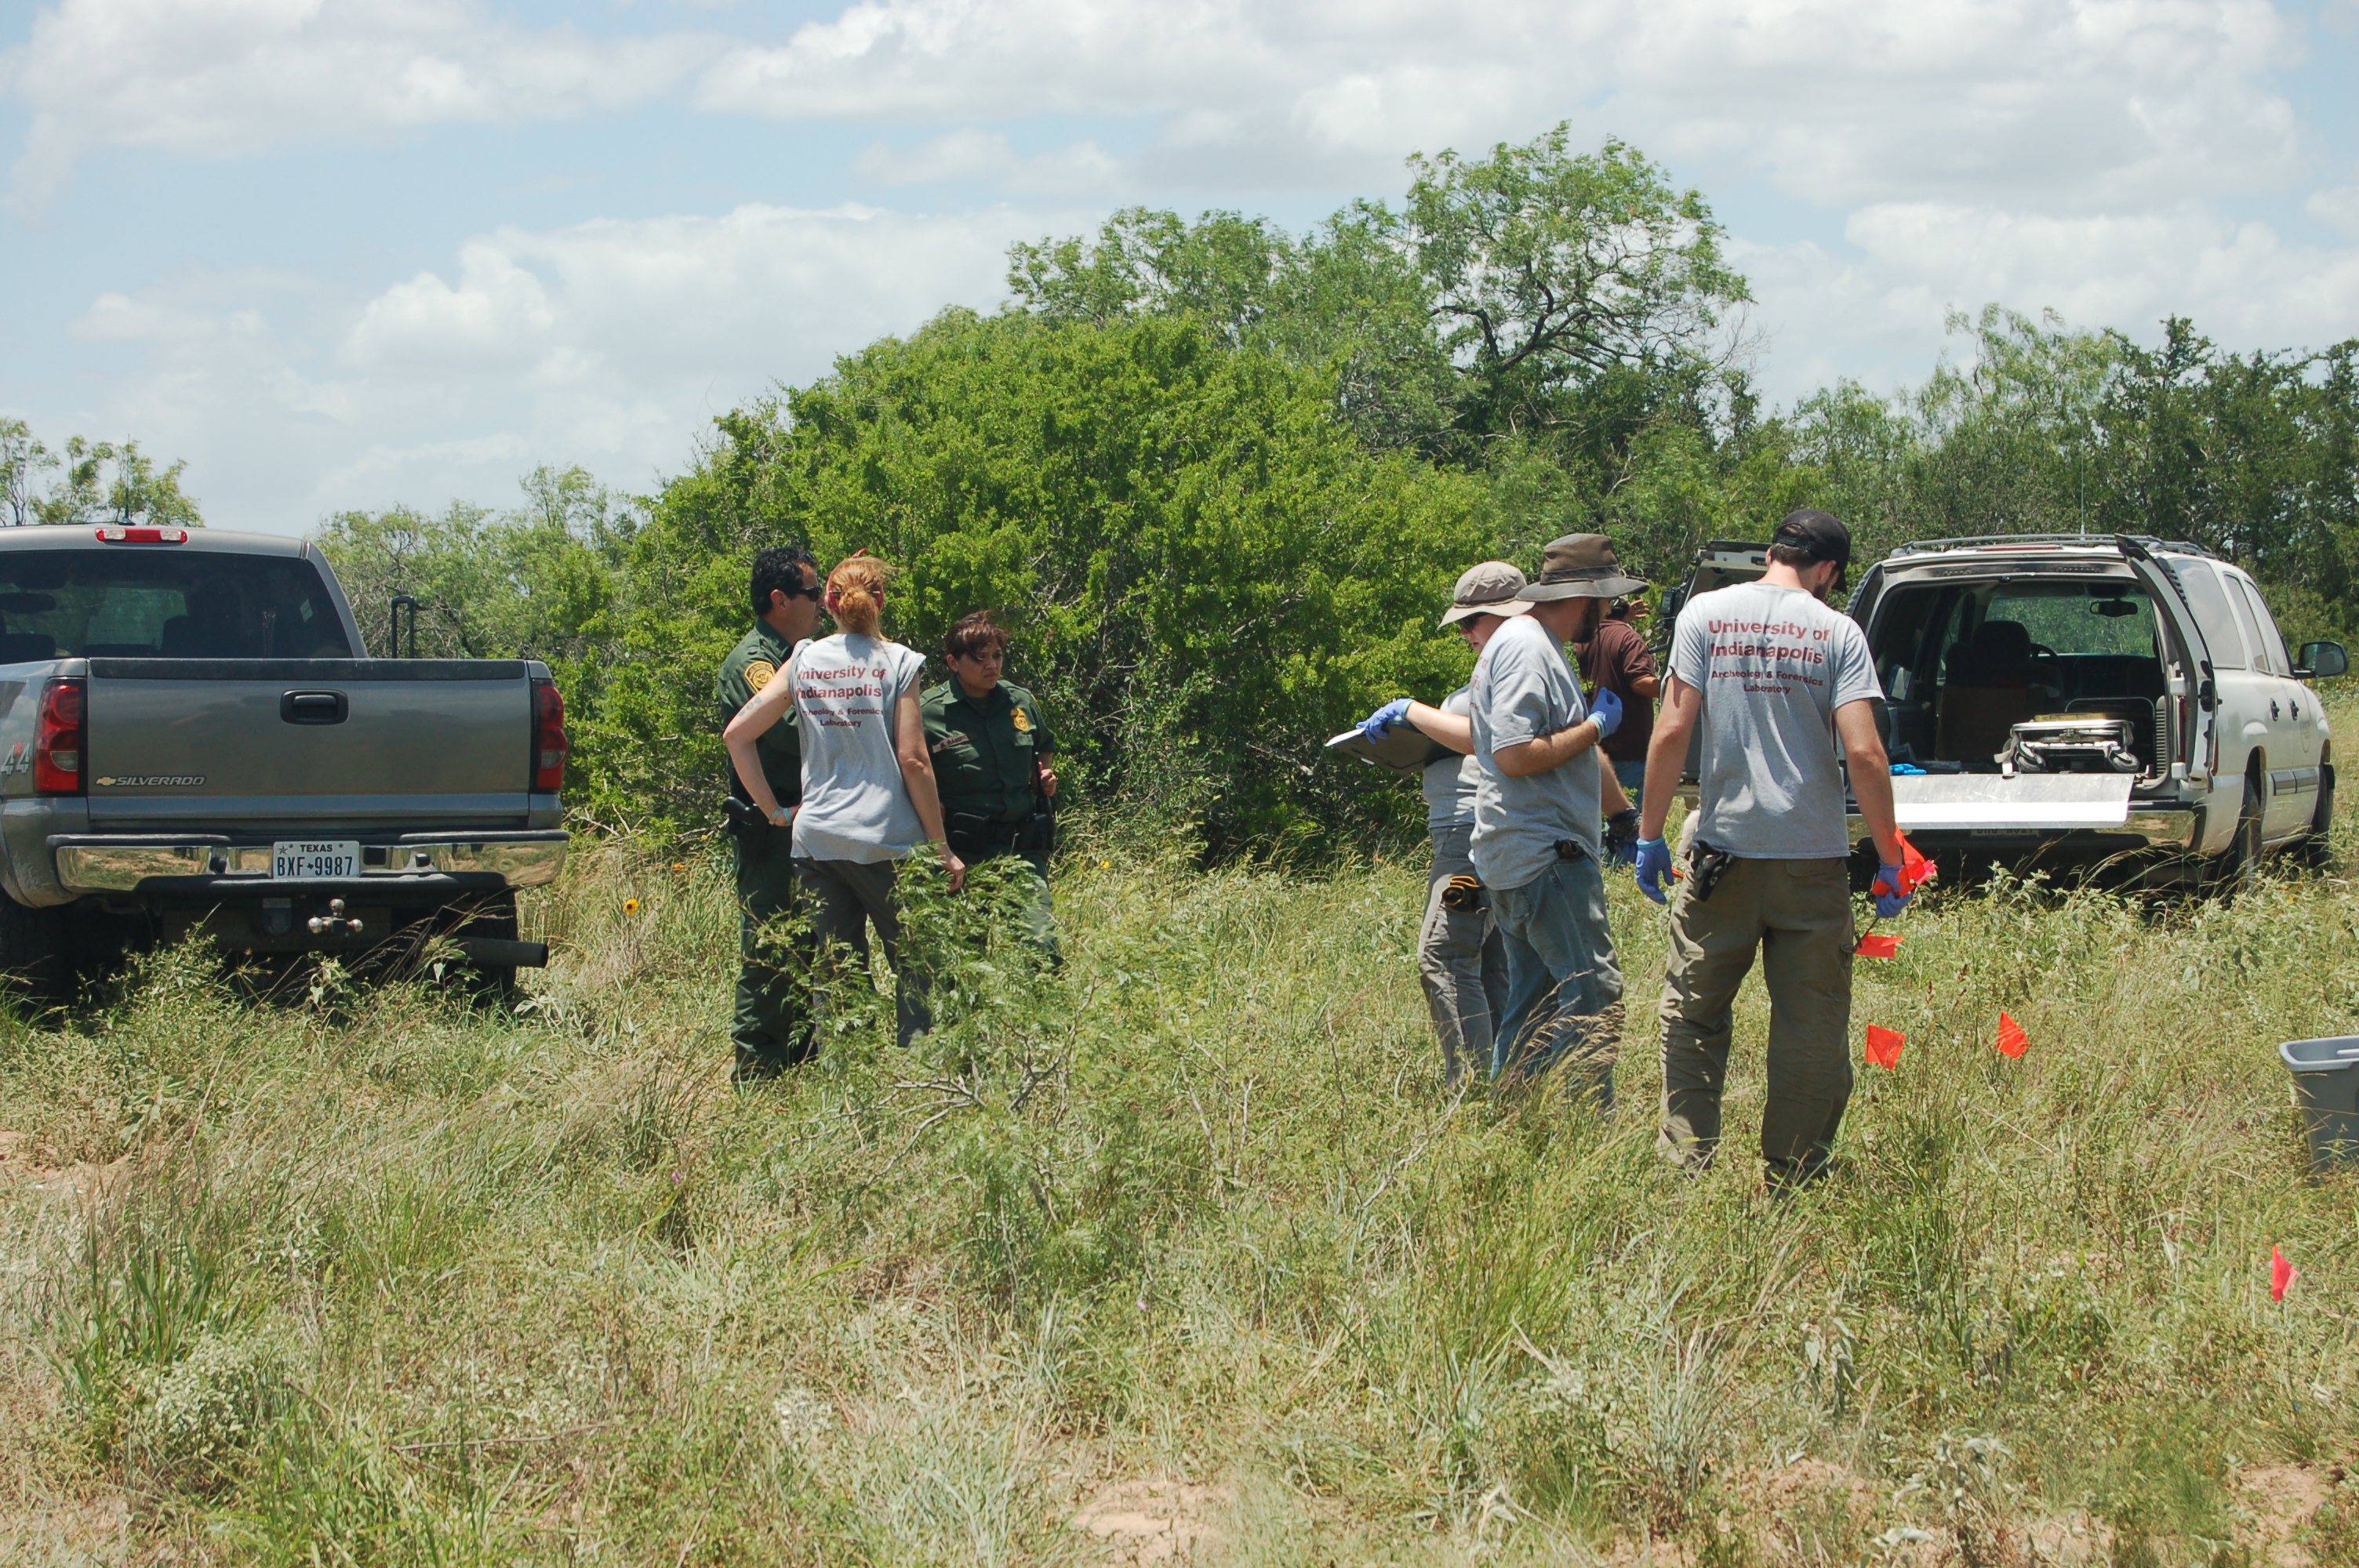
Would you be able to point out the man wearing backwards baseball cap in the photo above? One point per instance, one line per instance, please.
(1535, 820)
(1777, 677)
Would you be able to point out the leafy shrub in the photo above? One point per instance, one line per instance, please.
(195, 1418)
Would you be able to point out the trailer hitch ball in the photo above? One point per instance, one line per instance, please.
(333, 923)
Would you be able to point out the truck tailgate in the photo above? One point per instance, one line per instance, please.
(1994, 803)
(175, 742)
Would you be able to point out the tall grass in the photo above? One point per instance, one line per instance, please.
(363, 1276)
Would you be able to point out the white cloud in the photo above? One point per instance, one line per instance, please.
(2338, 209)
(759, 291)
(976, 153)
(1843, 100)
(609, 343)
(1876, 316)
(219, 78)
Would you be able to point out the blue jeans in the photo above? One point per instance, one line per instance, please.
(1565, 989)
(1631, 776)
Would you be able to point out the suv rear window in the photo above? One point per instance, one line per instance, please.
(120, 602)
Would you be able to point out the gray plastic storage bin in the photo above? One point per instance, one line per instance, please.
(2326, 1086)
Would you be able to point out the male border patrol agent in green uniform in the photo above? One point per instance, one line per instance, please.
(771, 1029)
(990, 752)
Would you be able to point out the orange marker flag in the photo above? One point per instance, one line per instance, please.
(1875, 945)
(1914, 868)
(2012, 1041)
(2282, 1275)
(1883, 1046)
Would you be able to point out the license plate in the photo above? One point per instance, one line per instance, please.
(309, 861)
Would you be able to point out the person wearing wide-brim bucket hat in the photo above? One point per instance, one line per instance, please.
(1580, 566)
(1537, 844)
(1461, 961)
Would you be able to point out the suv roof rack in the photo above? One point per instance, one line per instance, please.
(1927, 546)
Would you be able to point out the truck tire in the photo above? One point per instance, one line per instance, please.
(2235, 869)
(34, 958)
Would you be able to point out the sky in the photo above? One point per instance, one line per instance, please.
(355, 253)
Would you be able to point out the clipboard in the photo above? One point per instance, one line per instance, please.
(1405, 750)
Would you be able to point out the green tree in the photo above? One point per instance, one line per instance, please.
(527, 583)
(102, 482)
(22, 460)
(1551, 270)
(1536, 290)
(1206, 573)
(99, 481)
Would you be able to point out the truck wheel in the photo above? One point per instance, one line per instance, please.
(2233, 871)
(33, 955)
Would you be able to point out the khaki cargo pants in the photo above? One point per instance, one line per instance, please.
(1798, 913)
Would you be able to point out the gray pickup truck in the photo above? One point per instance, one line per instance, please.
(2084, 699)
(190, 743)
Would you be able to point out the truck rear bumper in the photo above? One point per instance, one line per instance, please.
(420, 865)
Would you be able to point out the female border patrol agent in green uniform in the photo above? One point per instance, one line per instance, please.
(771, 1027)
(991, 751)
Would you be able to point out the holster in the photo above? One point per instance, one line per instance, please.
(1036, 836)
(974, 838)
(1462, 894)
(1570, 849)
(744, 822)
(1706, 866)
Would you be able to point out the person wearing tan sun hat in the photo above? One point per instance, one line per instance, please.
(1461, 961)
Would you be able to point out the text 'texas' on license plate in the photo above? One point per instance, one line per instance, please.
(314, 860)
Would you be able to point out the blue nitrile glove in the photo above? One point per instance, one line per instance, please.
(1374, 724)
(1898, 769)
(1886, 890)
(1654, 865)
(1606, 708)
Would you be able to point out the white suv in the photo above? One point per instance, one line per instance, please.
(2073, 698)
(2077, 696)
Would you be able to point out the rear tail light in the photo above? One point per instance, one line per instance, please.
(548, 747)
(57, 739)
(121, 534)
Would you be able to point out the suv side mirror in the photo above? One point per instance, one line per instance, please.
(2321, 661)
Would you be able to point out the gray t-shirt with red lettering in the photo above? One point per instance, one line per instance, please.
(1773, 665)
(856, 806)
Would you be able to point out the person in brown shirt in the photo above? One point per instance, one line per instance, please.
(1616, 659)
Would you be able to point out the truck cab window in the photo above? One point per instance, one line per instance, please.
(82, 603)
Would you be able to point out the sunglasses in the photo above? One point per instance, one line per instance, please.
(815, 591)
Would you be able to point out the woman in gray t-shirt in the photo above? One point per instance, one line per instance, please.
(869, 781)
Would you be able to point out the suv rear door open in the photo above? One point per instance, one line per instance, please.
(2039, 684)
